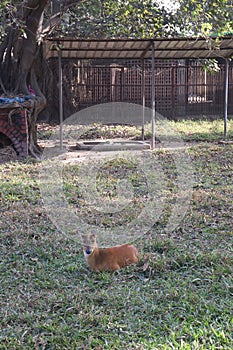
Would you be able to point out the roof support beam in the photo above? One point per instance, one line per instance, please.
(153, 94)
(226, 98)
(60, 98)
(143, 99)
(145, 51)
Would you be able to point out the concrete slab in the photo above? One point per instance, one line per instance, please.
(99, 146)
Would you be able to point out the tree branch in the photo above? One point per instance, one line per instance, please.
(67, 3)
(51, 24)
(59, 7)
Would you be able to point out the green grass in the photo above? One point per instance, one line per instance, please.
(203, 130)
(179, 296)
(189, 130)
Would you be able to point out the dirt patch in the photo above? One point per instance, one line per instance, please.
(7, 154)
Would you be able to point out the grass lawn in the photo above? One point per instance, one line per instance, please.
(179, 296)
(189, 130)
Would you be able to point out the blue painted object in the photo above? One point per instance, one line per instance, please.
(14, 99)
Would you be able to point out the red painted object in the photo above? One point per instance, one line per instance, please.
(13, 124)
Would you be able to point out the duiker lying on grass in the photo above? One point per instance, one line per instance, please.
(108, 259)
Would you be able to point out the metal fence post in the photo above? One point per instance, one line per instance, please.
(153, 93)
(226, 98)
(60, 98)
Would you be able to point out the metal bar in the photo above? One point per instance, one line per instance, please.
(144, 50)
(153, 93)
(143, 100)
(60, 98)
(226, 98)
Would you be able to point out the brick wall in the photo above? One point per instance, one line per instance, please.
(13, 124)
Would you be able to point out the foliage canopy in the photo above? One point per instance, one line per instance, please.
(131, 18)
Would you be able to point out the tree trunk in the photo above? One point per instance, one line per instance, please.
(19, 56)
(17, 59)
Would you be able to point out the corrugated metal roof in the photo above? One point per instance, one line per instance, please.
(165, 48)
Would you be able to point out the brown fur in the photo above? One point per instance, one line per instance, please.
(108, 259)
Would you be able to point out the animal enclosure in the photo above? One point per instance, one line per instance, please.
(183, 88)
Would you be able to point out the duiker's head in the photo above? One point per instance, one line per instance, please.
(89, 243)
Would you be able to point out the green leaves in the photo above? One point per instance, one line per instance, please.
(120, 19)
(136, 18)
(205, 17)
